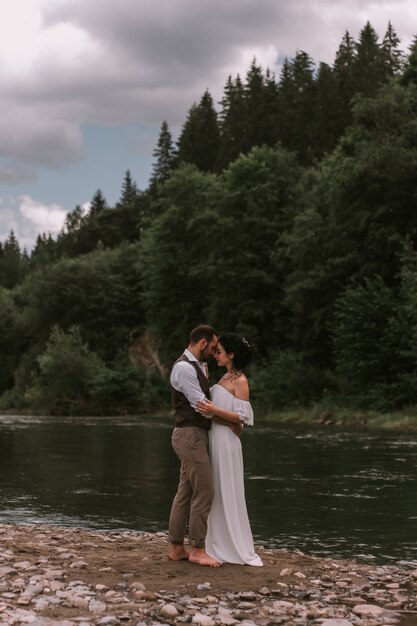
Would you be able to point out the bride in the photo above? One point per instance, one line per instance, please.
(229, 537)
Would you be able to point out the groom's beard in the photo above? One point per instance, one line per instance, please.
(204, 355)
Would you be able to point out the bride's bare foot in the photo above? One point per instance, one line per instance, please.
(177, 552)
(200, 556)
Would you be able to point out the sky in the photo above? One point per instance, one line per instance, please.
(86, 84)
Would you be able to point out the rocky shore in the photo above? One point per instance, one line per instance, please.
(52, 576)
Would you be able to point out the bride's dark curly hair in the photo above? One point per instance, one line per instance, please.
(240, 347)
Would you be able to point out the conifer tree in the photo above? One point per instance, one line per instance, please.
(44, 251)
(254, 93)
(11, 265)
(164, 154)
(98, 203)
(199, 140)
(233, 123)
(129, 190)
(392, 56)
(286, 105)
(410, 68)
(302, 68)
(325, 132)
(369, 68)
(270, 108)
(74, 220)
(344, 76)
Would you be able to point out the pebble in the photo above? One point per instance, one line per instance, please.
(204, 586)
(203, 620)
(344, 594)
(169, 610)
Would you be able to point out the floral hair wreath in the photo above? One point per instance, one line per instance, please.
(246, 342)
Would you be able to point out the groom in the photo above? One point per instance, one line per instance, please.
(189, 384)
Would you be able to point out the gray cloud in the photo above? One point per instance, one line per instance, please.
(28, 217)
(16, 172)
(149, 61)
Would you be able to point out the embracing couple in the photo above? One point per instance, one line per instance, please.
(206, 439)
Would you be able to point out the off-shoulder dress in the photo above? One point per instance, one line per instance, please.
(229, 537)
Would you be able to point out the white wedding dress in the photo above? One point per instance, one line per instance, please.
(229, 536)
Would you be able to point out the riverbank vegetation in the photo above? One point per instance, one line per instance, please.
(286, 213)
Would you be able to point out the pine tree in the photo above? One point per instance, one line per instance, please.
(392, 56)
(254, 93)
(286, 106)
(233, 123)
(44, 251)
(270, 109)
(199, 140)
(344, 64)
(344, 76)
(410, 68)
(261, 96)
(11, 262)
(369, 70)
(98, 203)
(129, 191)
(325, 131)
(302, 69)
(164, 154)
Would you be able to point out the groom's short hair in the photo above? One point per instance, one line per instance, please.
(203, 331)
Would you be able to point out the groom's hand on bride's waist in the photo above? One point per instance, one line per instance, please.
(236, 428)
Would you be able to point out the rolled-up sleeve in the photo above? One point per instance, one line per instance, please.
(184, 379)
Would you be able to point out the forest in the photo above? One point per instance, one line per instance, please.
(286, 212)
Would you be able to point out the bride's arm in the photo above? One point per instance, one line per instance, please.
(209, 409)
(235, 427)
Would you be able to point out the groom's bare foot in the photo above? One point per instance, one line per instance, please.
(177, 552)
(200, 556)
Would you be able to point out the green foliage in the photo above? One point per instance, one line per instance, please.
(289, 217)
(257, 205)
(103, 226)
(72, 379)
(286, 381)
(129, 190)
(165, 156)
(98, 203)
(100, 292)
(369, 68)
(364, 344)
(375, 332)
(67, 373)
(10, 340)
(358, 212)
(175, 254)
(409, 75)
(13, 263)
(233, 123)
(393, 57)
(198, 143)
(44, 252)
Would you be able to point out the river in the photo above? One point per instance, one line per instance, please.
(323, 491)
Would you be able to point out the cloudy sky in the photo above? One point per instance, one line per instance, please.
(85, 84)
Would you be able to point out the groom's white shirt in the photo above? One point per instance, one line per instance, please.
(184, 379)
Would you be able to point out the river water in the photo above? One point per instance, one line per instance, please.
(322, 491)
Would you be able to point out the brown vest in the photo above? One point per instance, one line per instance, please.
(184, 412)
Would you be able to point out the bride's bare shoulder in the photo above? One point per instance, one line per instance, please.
(241, 386)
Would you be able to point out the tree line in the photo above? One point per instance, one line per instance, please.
(289, 216)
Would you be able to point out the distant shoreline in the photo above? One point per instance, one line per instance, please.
(317, 416)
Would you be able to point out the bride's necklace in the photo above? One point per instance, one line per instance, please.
(230, 375)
